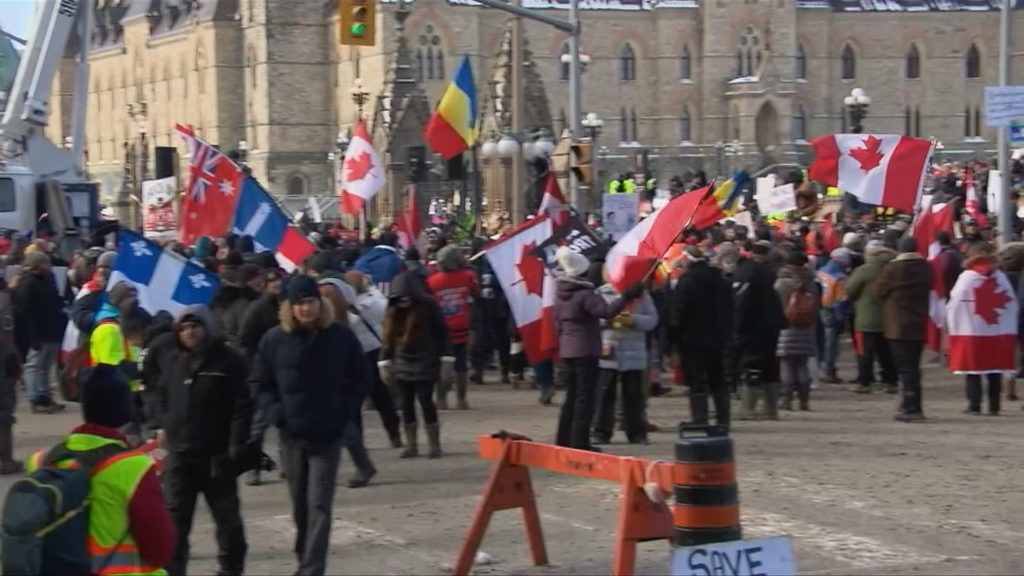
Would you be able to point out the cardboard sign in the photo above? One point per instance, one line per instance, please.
(618, 214)
(776, 200)
(159, 209)
(765, 557)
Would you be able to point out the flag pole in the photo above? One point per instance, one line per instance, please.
(687, 224)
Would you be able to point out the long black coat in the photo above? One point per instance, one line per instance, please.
(701, 308)
(759, 313)
(43, 307)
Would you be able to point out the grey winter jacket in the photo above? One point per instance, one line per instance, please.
(795, 341)
(628, 346)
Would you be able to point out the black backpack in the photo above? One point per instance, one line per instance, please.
(45, 519)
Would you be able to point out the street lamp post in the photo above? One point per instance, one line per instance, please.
(857, 107)
(137, 112)
(592, 126)
(359, 95)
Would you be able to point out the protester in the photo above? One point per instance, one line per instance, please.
(796, 289)
(860, 288)
(415, 353)
(702, 325)
(490, 318)
(239, 288)
(454, 287)
(90, 298)
(578, 312)
(833, 309)
(43, 307)
(759, 319)
(204, 421)
(382, 262)
(10, 373)
(903, 287)
(127, 512)
(313, 369)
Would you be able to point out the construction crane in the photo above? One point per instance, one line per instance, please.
(42, 184)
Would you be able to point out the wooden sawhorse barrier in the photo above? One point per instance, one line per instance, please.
(509, 486)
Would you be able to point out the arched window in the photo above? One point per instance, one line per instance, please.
(906, 122)
(967, 122)
(748, 58)
(973, 63)
(429, 43)
(418, 64)
(977, 121)
(623, 129)
(913, 63)
(633, 125)
(799, 124)
(563, 65)
(800, 65)
(684, 125)
(296, 185)
(430, 64)
(685, 64)
(917, 121)
(849, 63)
(627, 64)
(440, 64)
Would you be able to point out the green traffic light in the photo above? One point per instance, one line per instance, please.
(358, 29)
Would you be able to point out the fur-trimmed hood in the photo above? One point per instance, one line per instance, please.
(291, 326)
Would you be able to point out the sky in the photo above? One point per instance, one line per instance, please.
(16, 16)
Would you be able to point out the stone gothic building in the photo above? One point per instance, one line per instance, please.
(717, 84)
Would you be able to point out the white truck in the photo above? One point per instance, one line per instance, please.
(39, 181)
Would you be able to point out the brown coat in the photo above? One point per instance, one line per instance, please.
(903, 287)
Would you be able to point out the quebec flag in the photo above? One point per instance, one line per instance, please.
(257, 215)
(164, 280)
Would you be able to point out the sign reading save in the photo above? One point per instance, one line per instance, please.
(769, 556)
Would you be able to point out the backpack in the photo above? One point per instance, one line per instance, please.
(800, 309)
(45, 519)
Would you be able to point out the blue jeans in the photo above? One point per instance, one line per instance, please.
(544, 375)
(37, 370)
(832, 322)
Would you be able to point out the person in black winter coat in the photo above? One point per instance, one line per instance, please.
(759, 318)
(43, 309)
(313, 369)
(237, 291)
(701, 324)
(205, 418)
(490, 317)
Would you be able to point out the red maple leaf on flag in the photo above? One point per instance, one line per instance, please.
(869, 156)
(988, 301)
(531, 269)
(357, 167)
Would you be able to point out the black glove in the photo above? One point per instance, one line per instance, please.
(633, 292)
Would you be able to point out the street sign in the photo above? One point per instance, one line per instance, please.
(1017, 131)
(736, 558)
(1003, 105)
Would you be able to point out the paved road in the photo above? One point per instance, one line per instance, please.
(858, 492)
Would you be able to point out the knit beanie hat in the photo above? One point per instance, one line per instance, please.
(120, 292)
(572, 263)
(106, 260)
(106, 400)
(301, 287)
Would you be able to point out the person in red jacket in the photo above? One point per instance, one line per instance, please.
(454, 286)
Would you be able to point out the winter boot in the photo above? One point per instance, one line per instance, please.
(1011, 389)
(411, 451)
(786, 401)
(478, 377)
(434, 439)
(364, 466)
(442, 394)
(771, 401)
(461, 384)
(253, 478)
(748, 404)
(8, 465)
(395, 438)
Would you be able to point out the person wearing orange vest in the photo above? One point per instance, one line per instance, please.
(129, 528)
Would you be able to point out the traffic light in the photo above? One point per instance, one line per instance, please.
(358, 19)
(581, 158)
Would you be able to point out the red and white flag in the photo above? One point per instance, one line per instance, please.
(931, 219)
(972, 204)
(407, 222)
(633, 255)
(883, 169)
(982, 321)
(361, 173)
(553, 204)
(211, 193)
(528, 286)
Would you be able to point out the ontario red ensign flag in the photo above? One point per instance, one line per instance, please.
(981, 318)
(211, 193)
(880, 169)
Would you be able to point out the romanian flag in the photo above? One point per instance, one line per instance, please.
(452, 128)
(723, 203)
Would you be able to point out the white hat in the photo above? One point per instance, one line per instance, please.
(572, 263)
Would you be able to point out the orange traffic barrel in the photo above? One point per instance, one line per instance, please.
(704, 480)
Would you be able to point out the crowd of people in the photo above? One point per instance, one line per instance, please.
(755, 314)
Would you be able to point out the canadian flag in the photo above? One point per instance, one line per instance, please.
(636, 252)
(883, 169)
(408, 221)
(361, 174)
(972, 204)
(982, 320)
(528, 286)
(931, 219)
(553, 204)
